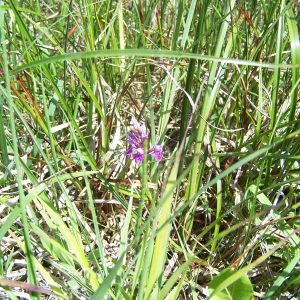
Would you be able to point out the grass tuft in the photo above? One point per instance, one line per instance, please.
(216, 84)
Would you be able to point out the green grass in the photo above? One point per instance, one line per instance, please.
(217, 218)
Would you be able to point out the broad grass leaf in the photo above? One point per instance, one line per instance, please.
(241, 289)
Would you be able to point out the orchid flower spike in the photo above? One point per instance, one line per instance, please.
(136, 139)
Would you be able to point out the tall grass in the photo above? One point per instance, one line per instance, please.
(217, 217)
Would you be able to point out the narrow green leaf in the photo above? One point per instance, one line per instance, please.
(280, 279)
(146, 53)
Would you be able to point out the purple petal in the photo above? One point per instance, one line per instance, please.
(132, 143)
(158, 156)
(138, 157)
(132, 139)
(150, 152)
(144, 134)
(140, 151)
(134, 123)
(129, 151)
(157, 149)
(135, 126)
(132, 136)
(157, 139)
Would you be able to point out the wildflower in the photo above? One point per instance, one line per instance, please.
(157, 149)
(138, 155)
(139, 129)
(136, 139)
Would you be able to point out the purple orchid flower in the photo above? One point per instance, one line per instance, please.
(138, 155)
(136, 139)
(157, 150)
(139, 129)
